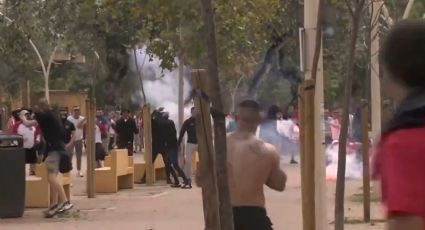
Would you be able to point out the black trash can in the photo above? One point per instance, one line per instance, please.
(12, 176)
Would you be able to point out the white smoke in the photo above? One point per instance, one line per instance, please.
(161, 85)
(354, 166)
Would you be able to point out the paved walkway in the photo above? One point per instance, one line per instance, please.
(163, 208)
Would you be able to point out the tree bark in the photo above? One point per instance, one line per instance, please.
(318, 46)
(226, 214)
(142, 88)
(340, 183)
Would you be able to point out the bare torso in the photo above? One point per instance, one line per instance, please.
(251, 165)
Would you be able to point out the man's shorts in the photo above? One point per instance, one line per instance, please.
(251, 218)
(52, 162)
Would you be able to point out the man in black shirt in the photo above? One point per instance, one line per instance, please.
(171, 150)
(69, 131)
(125, 129)
(159, 142)
(54, 134)
(189, 126)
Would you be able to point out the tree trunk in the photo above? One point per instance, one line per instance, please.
(181, 80)
(340, 183)
(181, 91)
(142, 88)
(226, 215)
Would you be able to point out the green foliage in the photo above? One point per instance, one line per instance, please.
(170, 29)
(418, 10)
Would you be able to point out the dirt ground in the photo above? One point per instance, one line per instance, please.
(162, 208)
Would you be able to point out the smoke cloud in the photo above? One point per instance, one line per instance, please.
(160, 85)
(354, 166)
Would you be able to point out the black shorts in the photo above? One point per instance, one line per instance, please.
(251, 218)
(30, 156)
(100, 152)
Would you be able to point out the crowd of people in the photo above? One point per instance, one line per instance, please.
(49, 134)
(254, 142)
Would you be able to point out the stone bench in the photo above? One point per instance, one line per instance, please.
(118, 173)
(37, 188)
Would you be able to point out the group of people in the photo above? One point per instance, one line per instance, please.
(165, 142)
(45, 138)
(253, 162)
(277, 128)
(399, 157)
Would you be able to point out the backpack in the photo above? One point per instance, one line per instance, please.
(65, 164)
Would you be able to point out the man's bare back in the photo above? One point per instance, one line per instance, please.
(252, 164)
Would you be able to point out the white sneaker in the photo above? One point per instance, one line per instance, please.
(65, 207)
(80, 174)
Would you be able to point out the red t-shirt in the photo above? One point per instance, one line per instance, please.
(400, 165)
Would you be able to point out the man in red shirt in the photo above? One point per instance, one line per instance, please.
(400, 159)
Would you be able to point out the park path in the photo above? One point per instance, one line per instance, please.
(163, 208)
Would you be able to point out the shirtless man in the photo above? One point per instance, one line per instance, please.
(251, 165)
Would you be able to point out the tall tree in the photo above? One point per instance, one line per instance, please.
(355, 8)
(226, 214)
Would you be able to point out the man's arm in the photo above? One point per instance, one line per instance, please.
(81, 124)
(182, 132)
(118, 127)
(135, 129)
(400, 221)
(72, 134)
(72, 140)
(277, 177)
(27, 122)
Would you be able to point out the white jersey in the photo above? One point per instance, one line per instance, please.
(28, 135)
(97, 135)
(286, 128)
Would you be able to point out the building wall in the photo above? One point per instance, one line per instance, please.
(65, 98)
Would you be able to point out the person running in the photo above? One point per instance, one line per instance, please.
(286, 129)
(189, 126)
(251, 163)
(78, 121)
(171, 149)
(268, 129)
(400, 156)
(54, 135)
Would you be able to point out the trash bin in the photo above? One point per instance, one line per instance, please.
(12, 176)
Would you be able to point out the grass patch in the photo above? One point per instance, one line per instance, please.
(358, 198)
(360, 221)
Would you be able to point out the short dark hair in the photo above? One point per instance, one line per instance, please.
(125, 111)
(403, 53)
(248, 111)
(273, 111)
(250, 104)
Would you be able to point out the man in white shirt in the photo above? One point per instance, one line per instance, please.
(286, 129)
(79, 122)
(30, 137)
